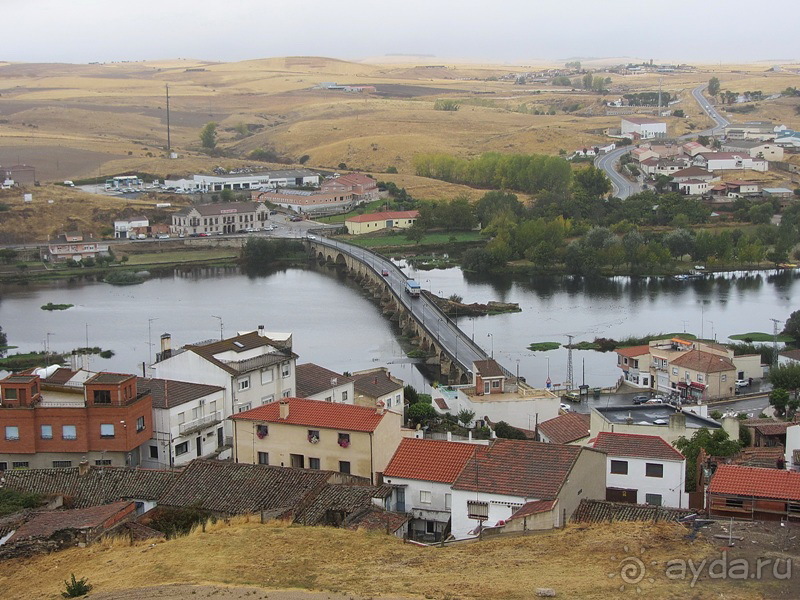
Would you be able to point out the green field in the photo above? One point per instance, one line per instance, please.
(758, 336)
(386, 241)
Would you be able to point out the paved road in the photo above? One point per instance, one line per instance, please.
(456, 343)
(708, 108)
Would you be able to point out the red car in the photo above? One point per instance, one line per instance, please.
(385, 272)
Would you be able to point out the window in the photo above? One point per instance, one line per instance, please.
(448, 501)
(297, 461)
(47, 432)
(195, 413)
(286, 393)
(344, 440)
(699, 378)
(244, 384)
(140, 424)
(244, 407)
(268, 399)
(23, 464)
(62, 464)
(654, 499)
(654, 470)
(723, 378)
(153, 451)
(734, 502)
(313, 463)
(181, 448)
(212, 406)
(3, 466)
(69, 432)
(266, 376)
(344, 396)
(425, 497)
(262, 431)
(328, 398)
(477, 510)
(344, 466)
(181, 418)
(495, 384)
(11, 394)
(106, 430)
(619, 467)
(263, 458)
(313, 435)
(101, 396)
(430, 527)
(285, 369)
(674, 370)
(106, 462)
(12, 432)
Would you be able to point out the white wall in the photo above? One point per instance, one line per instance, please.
(501, 507)
(522, 413)
(792, 444)
(343, 394)
(670, 486)
(436, 510)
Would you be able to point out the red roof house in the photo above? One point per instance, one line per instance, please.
(754, 493)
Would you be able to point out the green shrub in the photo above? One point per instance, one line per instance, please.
(76, 587)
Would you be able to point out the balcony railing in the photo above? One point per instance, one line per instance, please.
(198, 424)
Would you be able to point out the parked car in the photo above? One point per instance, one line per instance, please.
(565, 407)
(656, 400)
(740, 383)
(163, 236)
(296, 219)
(640, 399)
(273, 212)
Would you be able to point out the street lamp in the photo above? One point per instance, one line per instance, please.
(473, 328)
(438, 322)
(491, 336)
(220, 326)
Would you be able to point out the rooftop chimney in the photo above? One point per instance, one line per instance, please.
(284, 409)
(677, 421)
(380, 407)
(166, 346)
(83, 466)
(261, 331)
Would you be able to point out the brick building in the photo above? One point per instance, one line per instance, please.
(59, 420)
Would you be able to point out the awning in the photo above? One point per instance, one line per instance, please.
(682, 384)
(697, 386)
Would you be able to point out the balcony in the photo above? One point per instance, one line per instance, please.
(196, 425)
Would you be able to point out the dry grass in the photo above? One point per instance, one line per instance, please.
(577, 562)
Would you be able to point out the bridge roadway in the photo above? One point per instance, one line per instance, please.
(458, 346)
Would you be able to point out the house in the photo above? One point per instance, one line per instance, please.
(694, 148)
(421, 474)
(124, 228)
(668, 167)
(75, 246)
(781, 193)
(751, 130)
(695, 173)
(739, 188)
(378, 387)
(372, 222)
(601, 511)
(643, 128)
(792, 454)
(725, 161)
(517, 485)
(643, 153)
(362, 187)
(308, 201)
(693, 187)
(642, 469)
(24, 175)
(635, 364)
(754, 493)
(667, 150)
(353, 507)
(301, 433)
(226, 217)
(789, 140)
(660, 419)
(767, 433)
(788, 357)
(649, 166)
(494, 396)
(569, 428)
(756, 149)
(57, 422)
(249, 181)
(187, 422)
(254, 368)
(318, 383)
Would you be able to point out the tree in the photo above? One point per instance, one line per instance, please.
(662, 181)
(208, 136)
(465, 416)
(792, 326)
(410, 394)
(226, 195)
(713, 87)
(415, 233)
(717, 443)
(779, 400)
(679, 242)
(679, 113)
(504, 430)
(786, 377)
(593, 181)
(421, 412)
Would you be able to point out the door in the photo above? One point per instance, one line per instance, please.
(401, 499)
(220, 438)
(199, 444)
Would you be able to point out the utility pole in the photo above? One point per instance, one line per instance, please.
(169, 142)
(569, 362)
(774, 341)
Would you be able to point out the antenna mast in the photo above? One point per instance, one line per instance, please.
(569, 362)
(774, 341)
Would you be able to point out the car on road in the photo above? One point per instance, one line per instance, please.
(273, 212)
(640, 399)
(296, 219)
(656, 400)
(565, 407)
(249, 230)
(163, 236)
(740, 383)
(312, 237)
(385, 272)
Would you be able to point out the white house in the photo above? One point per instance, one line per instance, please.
(569, 428)
(643, 469)
(792, 457)
(187, 423)
(379, 387)
(722, 161)
(124, 228)
(249, 181)
(789, 357)
(756, 149)
(693, 187)
(643, 127)
(421, 474)
(255, 368)
(318, 383)
(517, 485)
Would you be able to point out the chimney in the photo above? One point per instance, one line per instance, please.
(83, 467)
(284, 409)
(166, 346)
(677, 422)
(261, 331)
(731, 426)
(380, 407)
(375, 380)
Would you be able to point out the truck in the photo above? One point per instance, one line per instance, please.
(412, 288)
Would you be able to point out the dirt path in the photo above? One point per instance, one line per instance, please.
(198, 592)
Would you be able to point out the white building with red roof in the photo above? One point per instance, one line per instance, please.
(643, 128)
(314, 434)
(727, 161)
(642, 469)
(635, 364)
(372, 222)
(421, 474)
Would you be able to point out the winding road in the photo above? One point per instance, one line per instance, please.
(622, 186)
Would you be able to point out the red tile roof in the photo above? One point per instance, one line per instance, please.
(383, 216)
(488, 368)
(316, 413)
(733, 480)
(704, 362)
(520, 468)
(632, 351)
(45, 524)
(357, 179)
(566, 428)
(636, 446)
(429, 460)
(532, 508)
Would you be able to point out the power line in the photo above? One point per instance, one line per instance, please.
(569, 362)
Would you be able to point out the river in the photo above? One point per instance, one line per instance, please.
(337, 326)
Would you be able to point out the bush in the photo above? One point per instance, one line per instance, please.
(76, 587)
(447, 105)
(391, 169)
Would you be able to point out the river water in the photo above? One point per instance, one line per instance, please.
(337, 326)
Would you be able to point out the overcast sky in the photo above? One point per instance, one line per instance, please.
(512, 31)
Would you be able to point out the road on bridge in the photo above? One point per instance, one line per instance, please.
(455, 342)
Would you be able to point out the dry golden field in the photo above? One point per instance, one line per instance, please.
(578, 562)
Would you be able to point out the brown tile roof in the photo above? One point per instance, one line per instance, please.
(734, 480)
(168, 393)
(238, 344)
(46, 523)
(634, 445)
(236, 488)
(441, 403)
(100, 485)
(764, 456)
(598, 511)
(488, 368)
(357, 179)
(566, 428)
(61, 376)
(773, 428)
(703, 362)
(375, 384)
(377, 519)
(110, 378)
(533, 508)
(632, 351)
(429, 460)
(312, 379)
(348, 499)
(316, 413)
(792, 354)
(519, 468)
